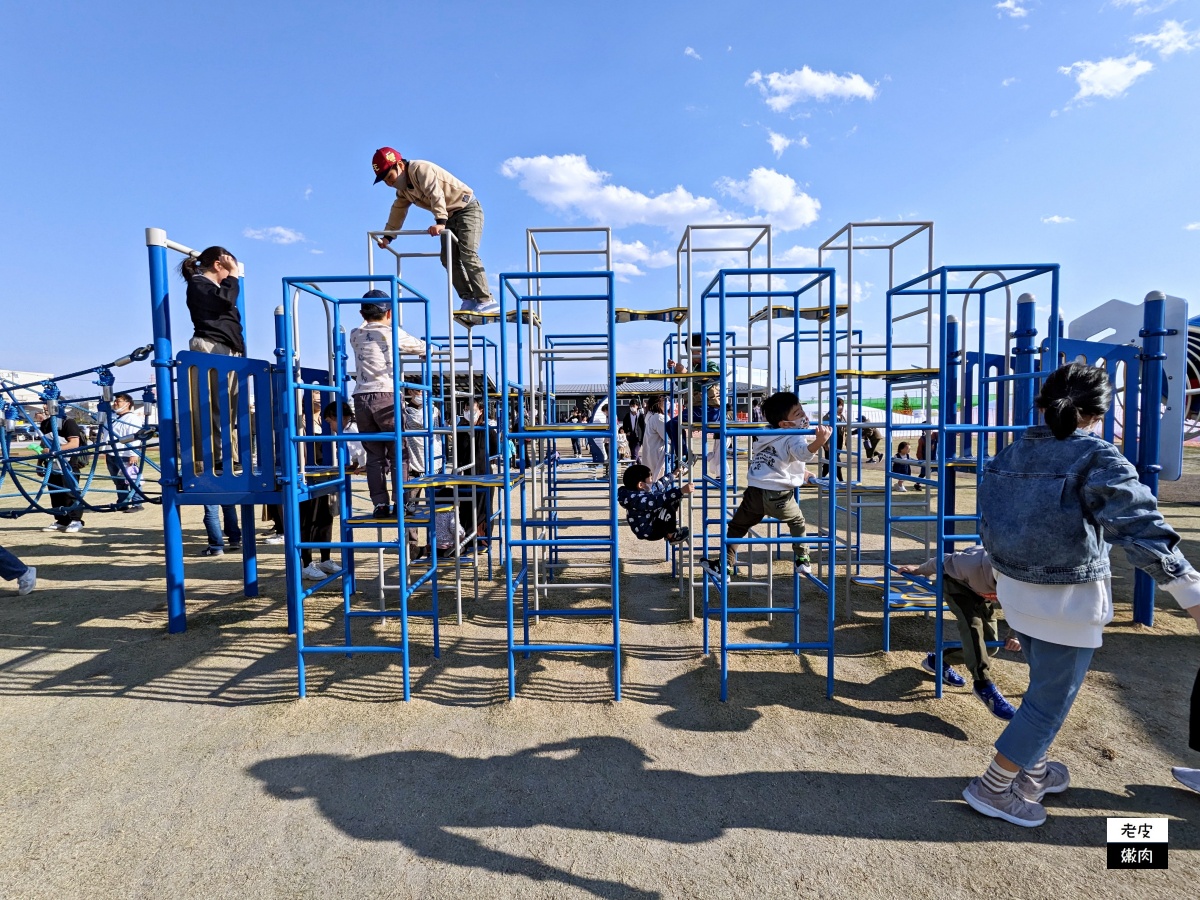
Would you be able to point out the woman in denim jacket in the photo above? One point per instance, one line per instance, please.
(1050, 504)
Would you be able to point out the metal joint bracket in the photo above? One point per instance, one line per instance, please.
(169, 364)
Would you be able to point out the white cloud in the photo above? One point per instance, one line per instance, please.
(629, 257)
(1108, 78)
(1192, 226)
(1013, 7)
(775, 196)
(569, 184)
(316, 252)
(778, 142)
(307, 192)
(1056, 220)
(1141, 7)
(688, 51)
(624, 270)
(798, 257)
(784, 90)
(276, 234)
(1171, 38)
(1008, 82)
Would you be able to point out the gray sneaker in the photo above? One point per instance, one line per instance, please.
(1056, 780)
(1009, 806)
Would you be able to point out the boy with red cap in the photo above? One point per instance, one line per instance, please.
(454, 207)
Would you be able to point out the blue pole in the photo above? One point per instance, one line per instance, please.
(163, 363)
(1153, 353)
(1026, 333)
(282, 391)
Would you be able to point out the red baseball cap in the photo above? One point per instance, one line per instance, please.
(384, 159)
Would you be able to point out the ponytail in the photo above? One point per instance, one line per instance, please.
(192, 265)
(1071, 394)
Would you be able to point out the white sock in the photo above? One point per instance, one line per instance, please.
(997, 779)
(1038, 769)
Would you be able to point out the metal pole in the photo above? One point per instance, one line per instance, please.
(163, 362)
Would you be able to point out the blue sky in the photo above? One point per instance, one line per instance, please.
(1028, 130)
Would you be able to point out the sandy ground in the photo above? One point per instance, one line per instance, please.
(137, 764)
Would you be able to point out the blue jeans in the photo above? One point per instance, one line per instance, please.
(212, 524)
(1056, 673)
(10, 566)
(120, 482)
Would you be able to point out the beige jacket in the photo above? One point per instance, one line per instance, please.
(372, 343)
(429, 187)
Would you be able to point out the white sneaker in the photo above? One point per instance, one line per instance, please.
(74, 527)
(329, 566)
(1187, 777)
(55, 528)
(274, 539)
(488, 306)
(313, 572)
(27, 582)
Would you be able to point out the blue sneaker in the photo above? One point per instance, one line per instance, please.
(468, 305)
(949, 676)
(989, 695)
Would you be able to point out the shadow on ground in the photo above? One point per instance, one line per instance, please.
(604, 785)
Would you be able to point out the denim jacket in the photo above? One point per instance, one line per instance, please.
(1049, 507)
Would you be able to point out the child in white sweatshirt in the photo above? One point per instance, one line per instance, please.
(776, 470)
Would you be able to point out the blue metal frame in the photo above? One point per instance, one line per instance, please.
(718, 291)
(513, 380)
(335, 480)
(949, 432)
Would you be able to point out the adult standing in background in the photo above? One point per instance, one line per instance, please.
(635, 428)
(122, 464)
(838, 416)
(212, 299)
(654, 444)
(454, 208)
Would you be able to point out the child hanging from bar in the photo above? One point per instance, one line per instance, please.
(652, 507)
(776, 470)
(969, 589)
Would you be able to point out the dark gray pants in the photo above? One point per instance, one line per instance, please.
(976, 620)
(757, 504)
(376, 412)
(470, 281)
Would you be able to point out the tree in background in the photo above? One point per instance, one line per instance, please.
(905, 406)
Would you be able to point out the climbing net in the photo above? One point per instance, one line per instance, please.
(109, 470)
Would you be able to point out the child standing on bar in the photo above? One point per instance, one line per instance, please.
(375, 394)
(776, 470)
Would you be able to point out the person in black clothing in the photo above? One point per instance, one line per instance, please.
(212, 300)
(476, 442)
(840, 415)
(635, 430)
(62, 484)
